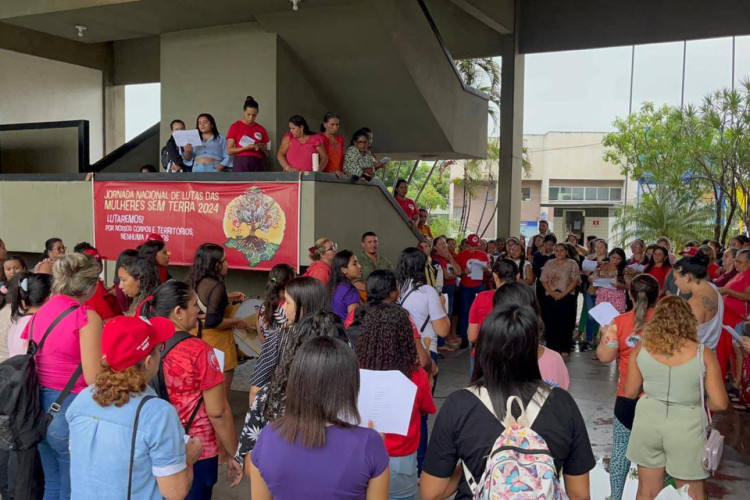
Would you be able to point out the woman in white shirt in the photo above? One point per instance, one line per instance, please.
(427, 312)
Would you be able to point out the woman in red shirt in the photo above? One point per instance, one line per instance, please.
(321, 255)
(386, 342)
(247, 140)
(407, 205)
(332, 142)
(658, 265)
(195, 385)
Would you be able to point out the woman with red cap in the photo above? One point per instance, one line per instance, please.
(123, 437)
(474, 265)
(155, 251)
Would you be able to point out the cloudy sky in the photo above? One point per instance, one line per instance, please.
(580, 90)
(585, 90)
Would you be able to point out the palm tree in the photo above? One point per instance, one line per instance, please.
(665, 212)
(484, 75)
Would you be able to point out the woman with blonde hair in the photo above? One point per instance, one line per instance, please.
(669, 429)
(71, 349)
(321, 255)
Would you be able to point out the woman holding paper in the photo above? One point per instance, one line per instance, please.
(560, 277)
(736, 294)
(386, 342)
(589, 265)
(616, 342)
(247, 140)
(610, 280)
(211, 154)
(316, 449)
(298, 146)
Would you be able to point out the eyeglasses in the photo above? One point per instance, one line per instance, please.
(332, 248)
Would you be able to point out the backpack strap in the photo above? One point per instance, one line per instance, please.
(168, 346)
(528, 416)
(193, 415)
(57, 405)
(403, 300)
(132, 441)
(51, 326)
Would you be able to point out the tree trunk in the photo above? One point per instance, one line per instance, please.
(492, 217)
(429, 174)
(719, 198)
(484, 208)
(413, 170)
(468, 213)
(728, 222)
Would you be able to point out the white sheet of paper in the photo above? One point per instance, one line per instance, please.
(590, 265)
(604, 313)
(246, 141)
(477, 268)
(605, 283)
(637, 267)
(386, 398)
(184, 137)
(220, 358)
(446, 302)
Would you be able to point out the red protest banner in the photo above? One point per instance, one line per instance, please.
(257, 223)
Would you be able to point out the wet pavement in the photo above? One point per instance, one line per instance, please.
(593, 385)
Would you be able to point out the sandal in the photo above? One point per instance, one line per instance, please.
(740, 407)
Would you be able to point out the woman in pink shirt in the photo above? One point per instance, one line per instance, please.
(551, 364)
(299, 145)
(73, 344)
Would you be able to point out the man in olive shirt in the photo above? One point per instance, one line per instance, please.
(370, 260)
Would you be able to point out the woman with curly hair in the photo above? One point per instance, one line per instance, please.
(270, 401)
(386, 342)
(137, 279)
(104, 416)
(669, 429)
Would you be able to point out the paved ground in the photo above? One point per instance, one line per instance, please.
(593, 386)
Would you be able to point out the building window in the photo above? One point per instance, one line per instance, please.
(560, 193)
(525, 194)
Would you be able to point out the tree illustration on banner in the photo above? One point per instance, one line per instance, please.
(254, 224)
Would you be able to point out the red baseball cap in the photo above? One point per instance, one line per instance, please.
(690, 252)
(154, 237)
(473, 240)
(126, 341)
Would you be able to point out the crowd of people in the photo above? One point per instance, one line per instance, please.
(245, 147)
(135, 377)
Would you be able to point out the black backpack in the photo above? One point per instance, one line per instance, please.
(23, 422)
(159, 385)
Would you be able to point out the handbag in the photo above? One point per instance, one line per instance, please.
(713, 448)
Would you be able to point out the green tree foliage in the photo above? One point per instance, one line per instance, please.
(699, 154)
(664, 212)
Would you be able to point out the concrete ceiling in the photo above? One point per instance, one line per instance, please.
(109, 20)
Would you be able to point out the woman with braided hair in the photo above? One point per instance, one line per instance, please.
(270, 401)
(387, 343)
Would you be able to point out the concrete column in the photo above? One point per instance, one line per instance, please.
(508, 216)
(114, 116)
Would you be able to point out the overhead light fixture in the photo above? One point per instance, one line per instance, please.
(81, 29)
(295, 5)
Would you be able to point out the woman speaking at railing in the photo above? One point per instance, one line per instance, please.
(298, 147)
(247, 140)
(211, 154)
(358, 161)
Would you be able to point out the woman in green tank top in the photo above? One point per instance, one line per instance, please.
(669, 427)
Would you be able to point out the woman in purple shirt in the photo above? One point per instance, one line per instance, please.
(316, 450)
(345, 269)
